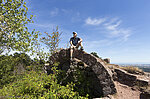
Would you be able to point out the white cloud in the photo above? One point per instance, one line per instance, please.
(112, 20)
(54, 12)
(94, 21)
(115, 30)
(111, 26)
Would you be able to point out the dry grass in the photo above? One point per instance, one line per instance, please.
(133, 70)
(112, 66)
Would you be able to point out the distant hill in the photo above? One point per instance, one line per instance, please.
(144, 67)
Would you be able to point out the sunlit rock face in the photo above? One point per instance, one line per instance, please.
(96, 77)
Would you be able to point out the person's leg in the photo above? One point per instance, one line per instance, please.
(71, 52)
(79, 44)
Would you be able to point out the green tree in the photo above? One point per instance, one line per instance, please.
(95, 54)
(14, 34)
(9, 66)
(51, 40)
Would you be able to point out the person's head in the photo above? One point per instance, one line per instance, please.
(74, 34)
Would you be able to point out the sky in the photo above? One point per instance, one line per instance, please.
(115, 29)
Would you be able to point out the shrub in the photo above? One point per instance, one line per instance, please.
(11, 66)
(95, 54)
(39, 85)
(6, 70)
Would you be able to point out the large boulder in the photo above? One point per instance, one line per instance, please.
(94, 70)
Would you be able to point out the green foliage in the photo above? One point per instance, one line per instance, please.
(52, 40)
(30, 82)
(23, 58)
(15, 65)
(6, 70)
(39, 85)
(78, 76)
(14, 34)
(49, 42)
(8, 65)
(13, 31)
(81, 82)
(33, 83)
(95, 54)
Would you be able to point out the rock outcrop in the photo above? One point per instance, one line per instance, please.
(97, 77)
(94, 69)
(129, 79)
(125, 78)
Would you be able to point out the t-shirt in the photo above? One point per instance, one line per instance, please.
(75, 40)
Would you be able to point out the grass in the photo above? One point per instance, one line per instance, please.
(133, 70)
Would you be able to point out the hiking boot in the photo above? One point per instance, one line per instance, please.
(81, 48)
(71, 59)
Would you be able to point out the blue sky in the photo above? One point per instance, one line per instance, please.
(115, 29)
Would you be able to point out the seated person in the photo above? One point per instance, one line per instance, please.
(75, 43)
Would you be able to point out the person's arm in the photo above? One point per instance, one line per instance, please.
(71, 42)
(80, 40)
